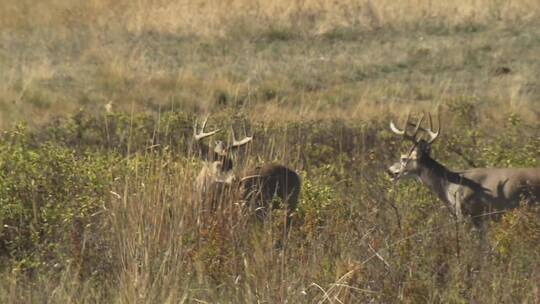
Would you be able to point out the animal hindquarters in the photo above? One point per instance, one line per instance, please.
(261, 185)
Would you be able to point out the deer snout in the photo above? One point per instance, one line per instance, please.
(394, 171)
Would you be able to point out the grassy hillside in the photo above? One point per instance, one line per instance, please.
(286, 59)
(97, 104)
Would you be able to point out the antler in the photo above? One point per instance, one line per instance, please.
(239, 143)
(433, 135)
(403, 132)
(201, 134)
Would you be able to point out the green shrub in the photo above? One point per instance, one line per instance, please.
(108, 201)
(50, 200)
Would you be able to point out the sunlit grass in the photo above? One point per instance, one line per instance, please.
(310, 58)
(98, 201)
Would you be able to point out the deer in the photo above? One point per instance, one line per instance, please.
(474, 193)
(257, 186)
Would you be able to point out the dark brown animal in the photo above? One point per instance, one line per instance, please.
(262, 184)
(258, 186)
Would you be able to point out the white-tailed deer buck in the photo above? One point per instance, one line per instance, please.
(257, 186)
(474, 192)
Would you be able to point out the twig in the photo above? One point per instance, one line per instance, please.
(393, 204)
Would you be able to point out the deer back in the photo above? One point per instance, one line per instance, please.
(261, 184)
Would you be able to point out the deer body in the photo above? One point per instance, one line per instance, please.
(261, 184)
(475, 192)
(257, 186)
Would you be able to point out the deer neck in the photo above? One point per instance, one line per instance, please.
(211, 174)
(438, 179)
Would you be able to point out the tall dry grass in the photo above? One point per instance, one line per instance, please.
(318, 81)
(152, 240)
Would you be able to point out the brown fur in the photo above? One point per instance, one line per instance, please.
(261, 184)
(475, 192)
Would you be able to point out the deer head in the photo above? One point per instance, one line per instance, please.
(218, 162)
(411, 162)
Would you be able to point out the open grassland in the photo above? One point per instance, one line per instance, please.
(292, 60)
(97, 103)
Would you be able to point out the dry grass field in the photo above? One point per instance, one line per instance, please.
(97, 166)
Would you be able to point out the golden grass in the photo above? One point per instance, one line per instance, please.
(280, 62)
(205, 17)
(309, 59)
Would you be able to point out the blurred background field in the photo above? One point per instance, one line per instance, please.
(280, 59)
(97, 102)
